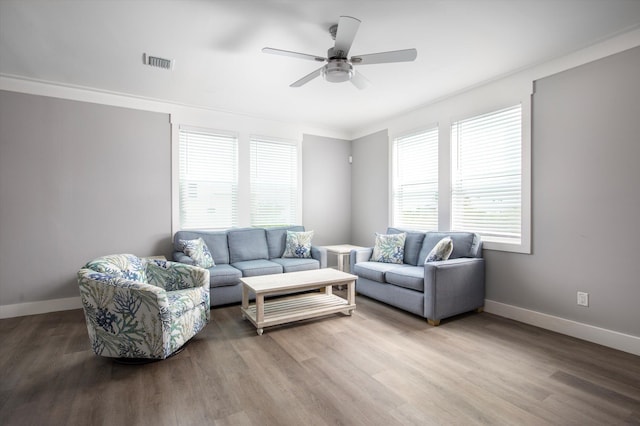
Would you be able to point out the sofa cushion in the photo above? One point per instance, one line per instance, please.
(412, 244)
(298, 244)
(276, 239)
(251, 268)
(290, 264)
(216, 241)
(462, 243)
(411, 277)
(441, 251)
(198, 251)
(247, 244)
(224, 275)
(389, 248)
(374, 271)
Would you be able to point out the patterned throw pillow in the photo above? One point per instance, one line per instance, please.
(298, 244)
(197, 250)
(441, 251)
(389, 248)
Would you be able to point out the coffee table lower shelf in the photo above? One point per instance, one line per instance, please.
(297, 308)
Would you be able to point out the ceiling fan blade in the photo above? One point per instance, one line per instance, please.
(406, 55)
(360, 81)
(347, 29)
(293, 54)
(307, 78)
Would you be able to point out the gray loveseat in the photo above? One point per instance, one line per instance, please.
(245, 252)
(433, 290)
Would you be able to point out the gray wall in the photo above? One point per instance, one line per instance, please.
(77, 180)
(370, 187)
(326, 189)
(586, 199)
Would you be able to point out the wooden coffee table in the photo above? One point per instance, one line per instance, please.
(265, 313)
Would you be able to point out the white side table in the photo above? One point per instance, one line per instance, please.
(342, 251)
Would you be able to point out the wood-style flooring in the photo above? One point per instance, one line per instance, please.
(381, 366)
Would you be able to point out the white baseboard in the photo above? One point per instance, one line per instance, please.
(42, 307)
(590, 333)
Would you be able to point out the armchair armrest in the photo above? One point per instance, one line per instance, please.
(320, 254)
(453, 286)
(359, 255)
(173, 276)
(122, 315)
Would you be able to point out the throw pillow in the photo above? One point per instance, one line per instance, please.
(389, 248)
(441, 251)
(298, 244)
(197, 250)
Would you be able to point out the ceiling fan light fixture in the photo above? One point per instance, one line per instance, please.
(337, 71)
(339, 68)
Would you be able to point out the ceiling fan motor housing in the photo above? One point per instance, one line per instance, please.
(337, 71)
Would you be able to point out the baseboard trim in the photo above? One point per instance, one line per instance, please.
(590, 333)
(41, 307)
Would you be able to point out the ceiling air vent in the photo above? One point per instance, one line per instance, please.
(155, 61)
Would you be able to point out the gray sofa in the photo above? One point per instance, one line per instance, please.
(245, 252)
(433, 290)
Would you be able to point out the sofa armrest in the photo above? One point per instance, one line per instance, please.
(320, 254)
(179, 256)
(453, 286)
(359, 255)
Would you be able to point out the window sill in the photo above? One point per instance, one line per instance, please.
(523, 248)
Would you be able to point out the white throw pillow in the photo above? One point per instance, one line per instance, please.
(197, 250)
(298, 244)
(441, 251)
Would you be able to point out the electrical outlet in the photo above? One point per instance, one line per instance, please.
(583, 298)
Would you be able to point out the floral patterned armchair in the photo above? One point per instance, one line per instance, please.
(139, 308)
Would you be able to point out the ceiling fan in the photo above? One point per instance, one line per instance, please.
(339, 67)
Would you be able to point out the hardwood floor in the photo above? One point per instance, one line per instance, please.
(381, 366)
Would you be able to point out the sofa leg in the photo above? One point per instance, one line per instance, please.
(433, 322)
(480, 309)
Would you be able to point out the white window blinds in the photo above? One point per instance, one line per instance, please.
(208, 179)
(273, 181)
(487, 175)
(415, 180)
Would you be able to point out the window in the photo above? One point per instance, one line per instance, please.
(208, 179)
(274, 182)
(486, 192)
(415, 180)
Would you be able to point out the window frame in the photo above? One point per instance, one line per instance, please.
(525, 169)
(297, 212)
(393, 174)
(177, 219)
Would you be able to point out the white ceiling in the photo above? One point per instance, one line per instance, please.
(217, 46)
